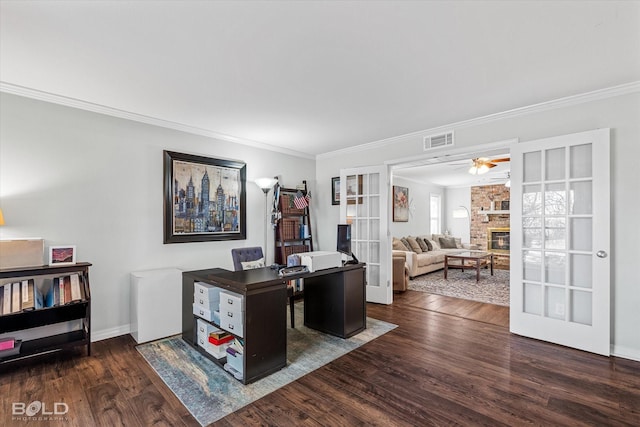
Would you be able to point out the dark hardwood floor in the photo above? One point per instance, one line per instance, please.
(439, 367)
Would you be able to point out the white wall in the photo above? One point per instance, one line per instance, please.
(76, 177)
(459, 227)
(419, 215)
(620, 113)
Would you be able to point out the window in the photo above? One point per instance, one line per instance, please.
(435, 209)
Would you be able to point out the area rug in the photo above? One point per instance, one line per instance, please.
(210, 393)
(462, 284)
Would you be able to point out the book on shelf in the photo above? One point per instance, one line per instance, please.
(30, 295)
(16, 303)
(76, 294)
(67, 289)
(6, 302)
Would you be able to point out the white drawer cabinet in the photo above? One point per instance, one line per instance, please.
(206, 295)
(232, 313)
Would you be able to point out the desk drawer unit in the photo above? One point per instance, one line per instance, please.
(232, 313)
(206, 314)
(206, 295)
(205, 328)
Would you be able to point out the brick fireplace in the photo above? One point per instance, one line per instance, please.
(483, 198)
(498, 240)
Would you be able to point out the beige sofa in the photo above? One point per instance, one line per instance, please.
(418, 260)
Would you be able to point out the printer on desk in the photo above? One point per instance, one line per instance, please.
(320, 260)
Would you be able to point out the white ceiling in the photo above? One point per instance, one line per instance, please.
(317, 76)
(455, 173)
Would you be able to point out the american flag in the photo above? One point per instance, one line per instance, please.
(301, 201)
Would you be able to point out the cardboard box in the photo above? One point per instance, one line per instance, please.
(18, 253)
(320, 260)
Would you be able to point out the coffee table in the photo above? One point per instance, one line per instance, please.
(468, 259)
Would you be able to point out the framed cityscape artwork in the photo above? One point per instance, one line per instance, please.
(204, 198)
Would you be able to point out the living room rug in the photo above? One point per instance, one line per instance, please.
(462, 284)
(211, 393)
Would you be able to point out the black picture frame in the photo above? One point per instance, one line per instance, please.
(504, 205)
(335, 190)
(188, 217)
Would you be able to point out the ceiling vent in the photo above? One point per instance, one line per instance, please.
(438, 141)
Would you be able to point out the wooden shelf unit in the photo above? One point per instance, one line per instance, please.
(289, 238)
(24, 320)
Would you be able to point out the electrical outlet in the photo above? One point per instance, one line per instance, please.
(559, 309)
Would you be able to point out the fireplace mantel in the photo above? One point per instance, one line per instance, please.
(494, 212)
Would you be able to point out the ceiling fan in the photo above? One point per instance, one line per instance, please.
(483, 164)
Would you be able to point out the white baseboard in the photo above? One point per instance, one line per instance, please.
(625, 352)
(110, 333)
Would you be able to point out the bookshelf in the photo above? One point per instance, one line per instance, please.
(21, 321)
(293, 230)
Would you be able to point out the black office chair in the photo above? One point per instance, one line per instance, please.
(254, 253)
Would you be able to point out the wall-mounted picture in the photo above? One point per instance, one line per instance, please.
(400, 204)
(354, 189)
(335, 190)
(504, 205)
(62, 255)
(204, 198)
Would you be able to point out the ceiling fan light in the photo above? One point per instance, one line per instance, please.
(483, 169)
(473, 170)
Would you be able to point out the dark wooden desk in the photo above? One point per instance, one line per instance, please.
(334, 303)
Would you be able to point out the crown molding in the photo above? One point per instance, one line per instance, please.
(623, 89)
(114, 112)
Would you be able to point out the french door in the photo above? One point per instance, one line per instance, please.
(364, 205)
(560, 240)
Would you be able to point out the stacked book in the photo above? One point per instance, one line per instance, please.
(18, 296)
(290, 228)
(64, 290)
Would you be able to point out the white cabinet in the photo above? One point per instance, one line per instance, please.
(156, 304)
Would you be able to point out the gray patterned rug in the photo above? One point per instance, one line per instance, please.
(462, 284)
(210, 393)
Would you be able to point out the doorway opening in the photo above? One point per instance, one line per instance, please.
(471, 204)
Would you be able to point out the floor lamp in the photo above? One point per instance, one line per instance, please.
(463, 212)
(266, 184)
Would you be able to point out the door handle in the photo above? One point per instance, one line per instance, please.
(602, 254)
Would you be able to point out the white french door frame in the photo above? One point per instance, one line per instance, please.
(560, 240)
(364, 203)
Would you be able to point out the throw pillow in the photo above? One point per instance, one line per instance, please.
(429, 245)
(458, 242)
(415, 247)
(423, 244)
(435, 245)
(406, 243)
(250, 265)
(398, 245)
(448, 243)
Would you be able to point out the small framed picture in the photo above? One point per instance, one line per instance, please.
(62, 255)
(504, 205)
(335, 190)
